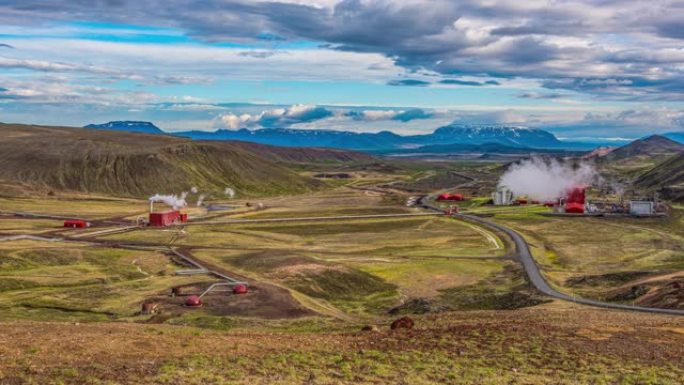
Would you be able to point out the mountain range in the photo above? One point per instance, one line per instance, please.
(129, 126)
(512, 136)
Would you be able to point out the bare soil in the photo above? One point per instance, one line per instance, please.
(263, 301)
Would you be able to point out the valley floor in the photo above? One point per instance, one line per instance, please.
(70, 308)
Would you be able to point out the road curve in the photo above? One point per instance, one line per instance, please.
(535, 276)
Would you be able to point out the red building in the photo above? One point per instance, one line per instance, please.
(167, 218)
(76, 223)
(575, 200)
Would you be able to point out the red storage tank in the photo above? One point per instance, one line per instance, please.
(183, 217)
(76, 223)
(193, 301)
(240, 289)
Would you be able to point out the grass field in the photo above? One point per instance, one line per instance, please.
(594, 256)
(547, 345)
(71, 281)
(352, 267)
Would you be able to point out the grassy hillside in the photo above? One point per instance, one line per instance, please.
(307, 154)
(129, 164)
(653, 146)
(667, 177)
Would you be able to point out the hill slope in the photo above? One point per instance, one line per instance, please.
(667, 178)
(652, 146)
(307, 154)
(85, 160)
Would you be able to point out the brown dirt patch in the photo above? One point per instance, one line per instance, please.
(262, 301)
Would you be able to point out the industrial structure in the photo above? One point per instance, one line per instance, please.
(76, 223)
(503, 196)
(166, 218)
(575, 200)
(642, 208)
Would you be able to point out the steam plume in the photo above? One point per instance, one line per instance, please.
(174, 201)
(200, 200)
(229, 192)
(546, 180)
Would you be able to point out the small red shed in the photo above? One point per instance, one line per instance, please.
(76, 223)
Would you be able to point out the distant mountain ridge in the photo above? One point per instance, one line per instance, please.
(513, 136)
(651, 146)
(129, 126)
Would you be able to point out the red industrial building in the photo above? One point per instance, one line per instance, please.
(76, 223)
(575, 200)
(167, 218)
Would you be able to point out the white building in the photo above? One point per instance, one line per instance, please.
(503, 196)
(641, 208)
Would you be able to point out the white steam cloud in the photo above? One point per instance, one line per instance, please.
(200, 200)
(174, 201)
(546, 180)
(229, 192)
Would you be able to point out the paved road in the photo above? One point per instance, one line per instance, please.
(534, 274)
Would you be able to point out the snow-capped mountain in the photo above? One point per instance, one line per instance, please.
(130, 126)
(512, 136)
(517, 136)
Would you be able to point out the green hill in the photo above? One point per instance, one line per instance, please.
(667, 178)
(131, 164)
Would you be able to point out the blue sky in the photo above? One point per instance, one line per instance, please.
(580, 68)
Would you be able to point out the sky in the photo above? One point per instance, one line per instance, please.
(582, 69)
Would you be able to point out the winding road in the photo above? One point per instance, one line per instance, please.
(524, 255)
